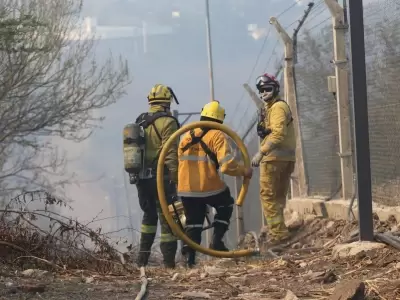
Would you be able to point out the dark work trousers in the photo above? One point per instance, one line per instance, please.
(149, 203)
(195, 212)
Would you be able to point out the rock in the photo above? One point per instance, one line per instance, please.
(214, 271)
(330, 224)
(226, 263)
(203, 275)
(321, 277)
(253, 296)
(34, 273)
(254, 270)
(282, 263)
(352, 290)
(196, 295)
(175, 277)
(193, 272)
(234, 280)
(268, 273)
(296, 245)
(30, 288)
(28, 272)
(88, 279)
(290, 296)
(303, 264)
(352, 249)
(309, 218)
(295, 221)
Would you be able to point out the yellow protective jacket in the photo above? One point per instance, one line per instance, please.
(166, 126)
(280, 144)
(197, 172)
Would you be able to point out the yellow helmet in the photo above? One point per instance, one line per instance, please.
(161, 94)
(213, 110)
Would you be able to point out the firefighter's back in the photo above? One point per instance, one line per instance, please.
(197, 172)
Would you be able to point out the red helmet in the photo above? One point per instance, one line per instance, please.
(268, 86)
(266, 79)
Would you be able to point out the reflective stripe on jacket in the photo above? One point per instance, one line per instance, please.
(280, 144)
(197, 172)
(166, 127)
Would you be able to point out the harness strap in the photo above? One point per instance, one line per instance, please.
(148, 119)
(207, 150)
(291, 117)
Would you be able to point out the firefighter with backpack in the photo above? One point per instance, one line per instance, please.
(143, 141)
(202, 153)
(276, 156)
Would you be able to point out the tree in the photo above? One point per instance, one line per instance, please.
(51, 87)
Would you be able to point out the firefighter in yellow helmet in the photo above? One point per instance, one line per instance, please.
(202, 152)
(159, 125)
(276, 157)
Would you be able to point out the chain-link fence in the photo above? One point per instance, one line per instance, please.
(318, 112)
(382, 41)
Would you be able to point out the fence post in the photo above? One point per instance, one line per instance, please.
(299, 188)
(260, 104)
(342, 96)
(238, 210)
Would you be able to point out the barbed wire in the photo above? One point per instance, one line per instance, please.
(236, 110)
(273, 54)
(320, 23)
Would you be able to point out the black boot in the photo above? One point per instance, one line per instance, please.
(191, 258)
(146, 241)
(143, 259)
(217, 243)
(168, 250)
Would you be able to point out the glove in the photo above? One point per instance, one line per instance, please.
(255, 162)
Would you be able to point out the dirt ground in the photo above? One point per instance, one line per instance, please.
(306, 268)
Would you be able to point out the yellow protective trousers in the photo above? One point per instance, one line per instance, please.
(274, 185)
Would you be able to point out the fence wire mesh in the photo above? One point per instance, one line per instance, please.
(317, 110)
(382, 41)
(318, 114)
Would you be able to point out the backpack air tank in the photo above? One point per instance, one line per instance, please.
(133, 148)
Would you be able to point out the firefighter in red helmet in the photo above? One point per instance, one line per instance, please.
(276, 157)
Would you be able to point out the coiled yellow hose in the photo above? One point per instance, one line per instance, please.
(161, 189)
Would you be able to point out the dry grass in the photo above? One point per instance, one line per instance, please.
(66, 244)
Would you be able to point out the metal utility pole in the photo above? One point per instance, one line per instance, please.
(299, 188)
(209, 48)
(360, 115)
(340, 87)
(128, 202)
(144, 35)
(211, 74)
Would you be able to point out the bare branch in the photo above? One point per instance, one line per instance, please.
(51, 86)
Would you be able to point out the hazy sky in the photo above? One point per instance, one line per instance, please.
(179, 60)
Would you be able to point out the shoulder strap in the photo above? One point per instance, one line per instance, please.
(147, 119)
(291, 117)
(207, 150)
